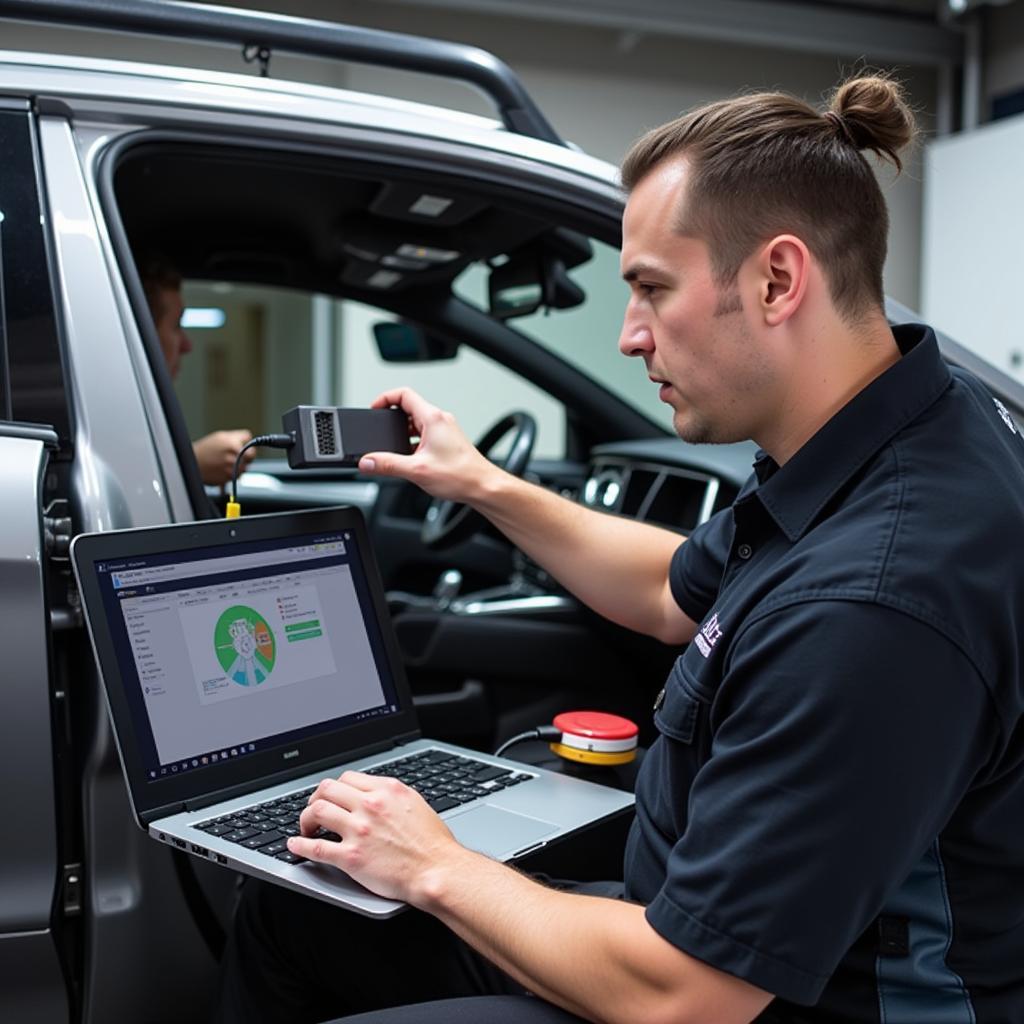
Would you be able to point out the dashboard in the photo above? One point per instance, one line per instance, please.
(668, 483)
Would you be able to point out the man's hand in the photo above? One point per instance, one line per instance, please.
(390, 838)
(216, 454)
(445, 463)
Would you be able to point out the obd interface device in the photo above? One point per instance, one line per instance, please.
(326, 436)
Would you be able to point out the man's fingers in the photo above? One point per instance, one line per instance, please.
(358, 780)
(388, 464)
(321, 850)
(341, 790)
(409, 401)
(323, 813)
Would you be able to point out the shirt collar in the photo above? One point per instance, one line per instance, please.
(795, 493)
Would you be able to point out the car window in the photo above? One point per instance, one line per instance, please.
(586, 335)
(258, 351)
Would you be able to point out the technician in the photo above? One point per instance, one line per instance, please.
(831, 824)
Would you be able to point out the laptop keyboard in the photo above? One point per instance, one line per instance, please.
(445, 780)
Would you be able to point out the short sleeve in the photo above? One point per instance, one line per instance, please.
(698, 563)
(842, 738)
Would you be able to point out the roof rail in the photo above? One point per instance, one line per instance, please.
(303, 36)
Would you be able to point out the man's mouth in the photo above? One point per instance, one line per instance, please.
(664, 388)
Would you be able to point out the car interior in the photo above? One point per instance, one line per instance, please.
(491, 644)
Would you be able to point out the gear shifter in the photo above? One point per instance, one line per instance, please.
(447, 587)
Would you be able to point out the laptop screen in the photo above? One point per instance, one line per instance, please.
(228, 651)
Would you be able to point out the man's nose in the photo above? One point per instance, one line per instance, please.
(636, 338)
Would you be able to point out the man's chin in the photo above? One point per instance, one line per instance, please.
(697, 431)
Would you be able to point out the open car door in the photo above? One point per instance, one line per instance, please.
(35, 889)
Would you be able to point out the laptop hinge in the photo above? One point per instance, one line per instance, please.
(295, 773)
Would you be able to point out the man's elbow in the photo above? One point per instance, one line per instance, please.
(675, 630)
(684, 1007)
(661, 1008)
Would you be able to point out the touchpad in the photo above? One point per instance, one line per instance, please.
(496, 832)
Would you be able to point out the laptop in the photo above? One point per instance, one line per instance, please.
(245, 660)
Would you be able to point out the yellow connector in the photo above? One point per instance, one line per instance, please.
(233, 510)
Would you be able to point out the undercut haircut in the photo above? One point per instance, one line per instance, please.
(769, 163)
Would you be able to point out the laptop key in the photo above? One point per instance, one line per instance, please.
(240, 835)
(290, 858)
(262, 839)
(217, 830)
(488, 773)
(273, 849)
(436, 756)
(443, 803)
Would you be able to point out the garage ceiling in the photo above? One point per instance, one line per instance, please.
(907, 32)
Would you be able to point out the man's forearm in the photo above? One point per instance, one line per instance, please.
(617, 566)
(598, 958)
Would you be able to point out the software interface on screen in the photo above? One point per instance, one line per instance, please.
(226, 651)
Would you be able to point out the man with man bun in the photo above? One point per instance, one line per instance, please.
(829, 827)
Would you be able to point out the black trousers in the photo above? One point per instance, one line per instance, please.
(295, 960)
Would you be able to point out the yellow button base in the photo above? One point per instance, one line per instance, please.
(592, 756)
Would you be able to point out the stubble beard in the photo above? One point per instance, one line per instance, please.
(698, 429)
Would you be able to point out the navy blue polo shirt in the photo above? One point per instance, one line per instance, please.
(834, 810)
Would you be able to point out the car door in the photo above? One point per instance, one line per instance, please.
(40, 882)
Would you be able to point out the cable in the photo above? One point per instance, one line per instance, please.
(541, 732)
(210, 929)
(234, 509)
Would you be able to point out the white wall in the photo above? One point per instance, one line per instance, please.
(974, 241)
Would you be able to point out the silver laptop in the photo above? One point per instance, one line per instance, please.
(245, 660)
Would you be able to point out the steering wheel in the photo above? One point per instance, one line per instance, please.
(448, 522)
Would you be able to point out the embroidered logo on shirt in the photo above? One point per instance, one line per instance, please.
(1005, 413)
(709, 635)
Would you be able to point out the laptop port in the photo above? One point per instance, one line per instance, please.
(201, 850)
(220, 858)
(180, 843)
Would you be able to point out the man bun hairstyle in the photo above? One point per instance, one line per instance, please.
(874, 114)
(768, 163)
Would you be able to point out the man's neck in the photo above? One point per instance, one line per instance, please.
(833, 367)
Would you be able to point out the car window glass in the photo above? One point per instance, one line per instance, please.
(258, 351)
(585, 336)
(28, 339)
(474, 387)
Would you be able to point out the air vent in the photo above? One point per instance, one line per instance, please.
(679, 502)
(325, 434)
(639, 486)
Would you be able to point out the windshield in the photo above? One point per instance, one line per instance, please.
(587, 335)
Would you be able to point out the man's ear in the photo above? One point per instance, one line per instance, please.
(784, 266)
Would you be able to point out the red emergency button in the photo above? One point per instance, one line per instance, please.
(595, 737)
(597, 724)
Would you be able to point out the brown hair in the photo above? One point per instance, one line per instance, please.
(769, 163)
(158, 274)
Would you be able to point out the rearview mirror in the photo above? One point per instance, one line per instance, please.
(529, 281)
(399, 342)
